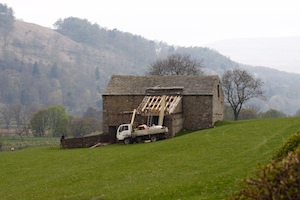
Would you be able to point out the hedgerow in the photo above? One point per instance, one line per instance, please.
(289, 146)
(276, 180)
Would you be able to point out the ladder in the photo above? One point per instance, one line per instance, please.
(150, 117)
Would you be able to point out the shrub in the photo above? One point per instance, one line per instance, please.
(290, 145)
(276, 180)
(221, 123)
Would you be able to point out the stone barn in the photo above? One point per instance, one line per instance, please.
(191, 102)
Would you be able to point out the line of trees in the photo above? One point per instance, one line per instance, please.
(55, 121)
(50, 122)
(253, 111)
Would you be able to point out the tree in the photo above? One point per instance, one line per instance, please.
(6, 115)
(20, 131)
(93, 124)
(246, 114)
(79, 30)
(39, 122)
(228, 113)
(80, 127)
(255, 109)
(25, 119)
(272, 113)
(297, 114)
(239, 86)
(35, 69)
(17, 111)
(54, 71)
(176, 64)
(58, 119)
(7, 20)
(93, 113)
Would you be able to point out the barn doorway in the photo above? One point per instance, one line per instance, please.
(112, 131)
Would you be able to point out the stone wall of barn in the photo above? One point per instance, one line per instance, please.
(174, 123)
(218, 103)
(197, 112)
(113, 105)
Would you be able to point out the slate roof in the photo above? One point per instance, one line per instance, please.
(138, 85)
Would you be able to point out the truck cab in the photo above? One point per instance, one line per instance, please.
(124, 131)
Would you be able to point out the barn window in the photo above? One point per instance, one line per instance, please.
(218, 90)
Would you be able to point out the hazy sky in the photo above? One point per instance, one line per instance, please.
(183, 23)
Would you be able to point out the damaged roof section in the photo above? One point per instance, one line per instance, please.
(154, 104)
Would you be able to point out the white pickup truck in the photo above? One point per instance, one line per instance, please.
(127, 134)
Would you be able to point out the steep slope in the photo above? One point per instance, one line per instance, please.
(42, 67)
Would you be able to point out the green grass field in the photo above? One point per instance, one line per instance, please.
(17, 143)
(207, 164)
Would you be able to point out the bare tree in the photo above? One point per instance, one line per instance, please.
(239, 86)
(255, 108)
(16, 111)
(20, 131)
(80, 127)
(6, 115)
(176, 64)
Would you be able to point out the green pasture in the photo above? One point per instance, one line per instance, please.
(206, 164)
(17, 143)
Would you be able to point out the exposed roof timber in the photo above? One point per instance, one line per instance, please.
(153, 104)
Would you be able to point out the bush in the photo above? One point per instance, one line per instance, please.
(221, 123)
(276, 180)
(0, 146)
(290, 145)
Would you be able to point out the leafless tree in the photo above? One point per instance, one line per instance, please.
(6, 115)
(20, 131)
(255, 108)
(239, 86)
(176, 64)
(16, 111)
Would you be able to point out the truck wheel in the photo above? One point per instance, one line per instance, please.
(127, 141)
(153, 138)
(139, 140)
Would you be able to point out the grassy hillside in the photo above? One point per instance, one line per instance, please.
(207, 164)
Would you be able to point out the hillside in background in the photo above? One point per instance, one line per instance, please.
(41, 67)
